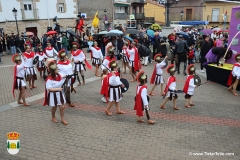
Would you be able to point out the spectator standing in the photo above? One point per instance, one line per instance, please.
(12, 44)
(59, 42)
(156, 43)
(205, 47)
(146, 42)
(65, 43)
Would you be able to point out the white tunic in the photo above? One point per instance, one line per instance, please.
(115, 81)
(236, 71)
(96, 53)
(64, 70)
(143, 95)
(159, 67)
(41, 58)
(172, 87)
(191, 86)
(81, 57)
(28, 63)
(20, 73)
(105, 64)
(55, 84)
(131, 52)
(52, 53)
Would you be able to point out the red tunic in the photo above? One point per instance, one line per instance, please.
(138, 101)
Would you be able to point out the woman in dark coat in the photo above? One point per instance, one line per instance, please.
(205, 47)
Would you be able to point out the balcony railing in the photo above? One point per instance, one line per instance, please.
(150, 19)
(139, 15)
(121, 16)
(218, 18)
(179, 17)
(122, 1)
(30, 14)
(138, 1)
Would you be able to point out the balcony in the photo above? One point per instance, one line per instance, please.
(139, 15)
(149, 19)
(30, 14)
(138, 1)
(122, 1)
(217, 18)
(178, 17)
(121, 16)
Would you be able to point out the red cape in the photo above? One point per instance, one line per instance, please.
(105, 85)
(171, 80)
(76, 53)
(14, 80)
(58, 78)
(186, 86)
(230, 78)
(137, 64)
(138, 101)
(153, 75)
(40, 53)
(31, 55)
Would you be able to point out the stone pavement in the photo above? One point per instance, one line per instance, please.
(213, 125)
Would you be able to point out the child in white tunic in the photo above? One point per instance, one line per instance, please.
(54, 95)
(40, 64)
(114, 88)
(18, 83)
(97, 57)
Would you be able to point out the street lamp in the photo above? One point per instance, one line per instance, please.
(181, 15)
(167, 5)
(15, 15)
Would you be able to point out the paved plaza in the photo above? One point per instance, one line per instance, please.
(209, 130)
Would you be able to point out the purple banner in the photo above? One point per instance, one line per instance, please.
(234, 28)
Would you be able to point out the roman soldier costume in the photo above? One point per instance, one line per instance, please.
(189, 86)
(235, 73)
(19, 74)
(65, 69)
(31, 73)
(108, 58)
(157, 77)
(111, 87)
(96, 55)
(170, 89)
(80, 61)
(142, 99)
(125, 55)
(134, 58)
(40, 64)
(50, 51)
(54, 98)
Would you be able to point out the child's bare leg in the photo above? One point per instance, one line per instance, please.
(154, 86)
(164, 102)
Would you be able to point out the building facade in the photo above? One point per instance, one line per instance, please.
(154, 12)
(214, 10)
(121, 12)
(37, 15)
(186, 10)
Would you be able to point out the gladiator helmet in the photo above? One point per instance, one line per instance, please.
(112, 64)
(141, 77)
(171, 69)
(75, 45)
(52, 66)
(191, 69)
(16, 58)
(157, 58)
(62, 54)
(237, 57)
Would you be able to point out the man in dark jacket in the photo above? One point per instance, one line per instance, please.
(181, 49)
(205, 47)
(156, 43)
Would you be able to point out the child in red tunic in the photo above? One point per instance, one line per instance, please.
(142, 99)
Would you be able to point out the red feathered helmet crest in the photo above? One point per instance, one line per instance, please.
(237, 57)
(191, 69)
(171, 69)
(75, 44)
(112, 64)
(157, 57)
(51, 66)
(141, 77)
(16, 58)
(62, 54)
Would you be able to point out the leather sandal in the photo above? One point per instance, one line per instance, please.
(71, 105)
(151, 94)
(176, 108)
(191, 104)
(187, 106)
(26, 104)
(162, 107)
(151, 122)
(234, 93)
(108, 113)
(230, 90)
(20, 102)
(140, 121)
(65, 122)
(120, 112)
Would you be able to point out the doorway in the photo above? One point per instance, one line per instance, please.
(189, 13)
(33, 30)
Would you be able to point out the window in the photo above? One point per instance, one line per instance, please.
(27, 7)
(215, 14)
(61, 7)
